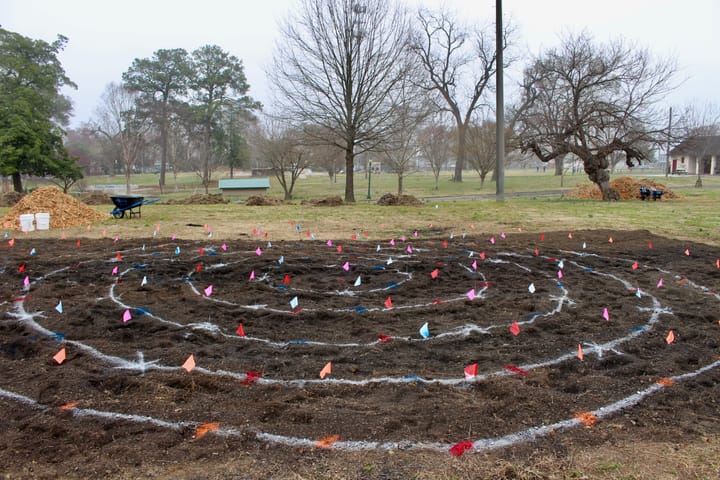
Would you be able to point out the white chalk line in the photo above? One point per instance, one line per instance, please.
(479, 445)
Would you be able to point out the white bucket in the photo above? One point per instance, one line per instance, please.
(42, 221)
(26, 222)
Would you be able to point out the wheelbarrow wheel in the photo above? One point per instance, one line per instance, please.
(119, 214)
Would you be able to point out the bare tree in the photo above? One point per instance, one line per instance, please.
(281, 147)
(460, 66)
(335, 67)
(481, 147)
(434, 145)
(120, 123)
(592, 100)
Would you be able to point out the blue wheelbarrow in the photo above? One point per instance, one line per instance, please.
(130, 204)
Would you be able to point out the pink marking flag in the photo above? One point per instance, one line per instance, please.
(329, 243)
(208, 291)
(388, 302)
(492, 240)
(434, 273)
(240, 331)
(252, 275)
(471, 371)
(346, 266)
(660, 283)
(471, 294)
(392, 242)
(687, 252)
(224, 247)
(26, 281)
(60, 356)
(461, 447)
(502, 235)
(326, 370)
(717, 263)
(127, 316)
(515, 328)
(635, 265)
(570, 235)
(559, 274)
(189, 364)
(11, 242)
(474, 265)
(409, 249)
(606, 314)
(611, 240)
(115, 270)
(258, 251)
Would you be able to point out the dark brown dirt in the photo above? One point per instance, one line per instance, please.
(122, 406)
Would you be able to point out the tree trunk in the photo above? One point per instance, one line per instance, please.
(596, 168)
(17, 182)
(559, 165)
(460, 160)
(164, 141)
(400, 184)
(349, 167)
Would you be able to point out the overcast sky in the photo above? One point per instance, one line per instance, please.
(105, 37)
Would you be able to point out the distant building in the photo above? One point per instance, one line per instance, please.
(696, 155)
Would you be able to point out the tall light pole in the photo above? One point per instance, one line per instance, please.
(499, 107)
(369, 177)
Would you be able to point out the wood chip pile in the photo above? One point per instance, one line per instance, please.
(199, 199)
(627, 187)
(64, 210)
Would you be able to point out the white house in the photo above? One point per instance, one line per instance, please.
(696, 155)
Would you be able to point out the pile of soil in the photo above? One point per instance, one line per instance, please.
(334, 201)
(627, 187)
(263, 201)
(10, 198)
(65, 211)
(389, 199)
(199, 199)
(96, 198)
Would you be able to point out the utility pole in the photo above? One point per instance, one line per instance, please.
(499, 107)
(669, 135)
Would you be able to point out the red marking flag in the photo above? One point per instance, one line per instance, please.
(515, 328)
(515, 369)
(240, 331)
(471, 371)
(460, 448)
(388, 302)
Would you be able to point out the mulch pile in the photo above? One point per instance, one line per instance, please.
(333, 201)
(389, 199)
(263, 201)
(65, 211)
(627, 187)
(199, 199)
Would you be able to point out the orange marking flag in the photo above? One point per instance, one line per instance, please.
(670, 337)
(68, 406)
(580, 352)
(189, 364)
(206, 428)
(60, 356)
(327, 441)
(665, 382)
(327, 370)
(587, 418)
